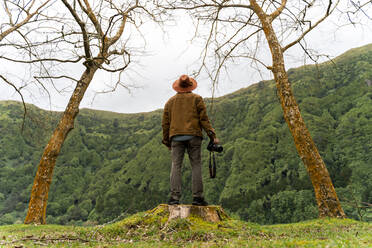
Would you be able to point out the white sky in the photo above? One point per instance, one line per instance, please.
(173, 55)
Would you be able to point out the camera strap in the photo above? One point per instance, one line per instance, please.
(212, 167)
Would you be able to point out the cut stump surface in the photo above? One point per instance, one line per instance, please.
(207, 213)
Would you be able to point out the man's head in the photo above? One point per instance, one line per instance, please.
(184, 84)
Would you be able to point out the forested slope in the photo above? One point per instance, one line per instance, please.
(114, 163)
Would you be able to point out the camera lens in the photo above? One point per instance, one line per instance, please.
(218, 148)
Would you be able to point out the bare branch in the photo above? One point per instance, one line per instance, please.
(187, 6)
(88, 53)
(329, 10)
(42, 60)
(21, 95)
(88, 10)
(278, 11)
(14, 27)
(56, 77)
(227, 54)
(121, 68)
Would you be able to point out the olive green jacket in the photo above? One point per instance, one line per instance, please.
(185, 114)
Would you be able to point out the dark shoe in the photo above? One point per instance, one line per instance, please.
(173, 201)
(199, 201)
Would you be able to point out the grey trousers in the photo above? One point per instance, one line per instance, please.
(193, 148)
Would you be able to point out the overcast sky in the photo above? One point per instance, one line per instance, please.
(172, 55)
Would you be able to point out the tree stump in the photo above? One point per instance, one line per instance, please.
(207, 213)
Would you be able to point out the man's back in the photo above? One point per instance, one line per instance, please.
(186, 114)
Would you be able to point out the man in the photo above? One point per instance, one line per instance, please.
(184, 117)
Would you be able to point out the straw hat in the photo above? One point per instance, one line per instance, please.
(184, 84)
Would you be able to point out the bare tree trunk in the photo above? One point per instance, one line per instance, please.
(39, 194)
(327, 200)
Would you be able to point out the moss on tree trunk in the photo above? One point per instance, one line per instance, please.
(325, 194)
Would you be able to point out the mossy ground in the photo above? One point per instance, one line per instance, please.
(151, 229)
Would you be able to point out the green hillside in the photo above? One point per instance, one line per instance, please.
(114, 164)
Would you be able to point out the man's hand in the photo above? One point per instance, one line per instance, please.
(216, 141)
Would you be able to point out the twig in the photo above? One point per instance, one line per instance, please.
(23, 100)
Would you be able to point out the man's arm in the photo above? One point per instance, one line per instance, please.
(204, 120)
(165, 123)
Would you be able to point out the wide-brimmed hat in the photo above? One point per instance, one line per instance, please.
(184, 84)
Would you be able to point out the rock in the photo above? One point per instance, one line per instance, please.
(207, 213)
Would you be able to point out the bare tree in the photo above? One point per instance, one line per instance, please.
(240, 30)
(94, 35)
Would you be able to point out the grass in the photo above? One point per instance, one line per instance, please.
(151, 229)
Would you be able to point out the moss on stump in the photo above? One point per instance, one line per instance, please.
(206, 213)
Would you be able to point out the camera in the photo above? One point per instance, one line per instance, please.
(212, 147)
